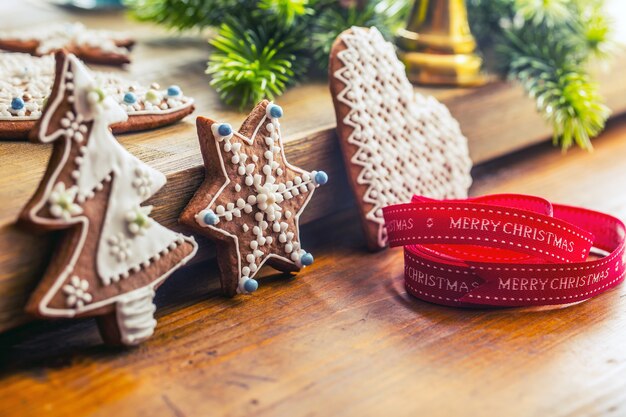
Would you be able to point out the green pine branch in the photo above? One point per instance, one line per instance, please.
(264, 46)
(546, 45)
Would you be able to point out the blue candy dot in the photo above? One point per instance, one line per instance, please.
(276, 111)
(251, 285)
(321, 178)
(224, 129)
(210, 218)
(17, 103)
(173, 91)
(307, 259)
(130, 98)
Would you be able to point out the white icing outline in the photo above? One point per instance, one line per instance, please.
(81, 220)
(235, 238)
(361, 42)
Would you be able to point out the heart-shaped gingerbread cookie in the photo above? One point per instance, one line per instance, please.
(395, 141)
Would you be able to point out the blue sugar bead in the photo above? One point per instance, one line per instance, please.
(251, 285)
(130, 98)
(276, 111)
(173, 91)
(210, 218)
(17, 103)
(224, 129)
(321, 178)
(307, 259)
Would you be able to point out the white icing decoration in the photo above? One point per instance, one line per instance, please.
(29, 77)
(135, 316)
(53, 37)
(103, 159)
(138, 220)
(260, 196)
(142, 182)
(407, 143)
(76, 293)
(62, 203)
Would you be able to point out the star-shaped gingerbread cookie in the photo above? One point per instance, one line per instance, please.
(251, 198)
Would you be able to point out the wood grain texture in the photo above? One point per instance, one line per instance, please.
(344, 338)
(497, 119)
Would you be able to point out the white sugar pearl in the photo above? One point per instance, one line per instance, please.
(258, 216)
(241, 170)
(254, 244)
(245, 271)
(288, 248)
(241, 203)
(282, 238)
(250, 258)
(220, 209)
(276, 227)
(249, 180)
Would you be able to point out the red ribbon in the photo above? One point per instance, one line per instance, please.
(505, 250)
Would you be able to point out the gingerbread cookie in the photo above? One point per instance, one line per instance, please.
(251, 198)
(395, 142)
(25, 83)
(94, 46)
(111, 255)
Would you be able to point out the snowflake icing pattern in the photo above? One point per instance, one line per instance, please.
(262, 186)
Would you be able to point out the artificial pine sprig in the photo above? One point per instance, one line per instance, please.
(264, 46)
(546, 46)
(186, 14)
(561, 88)
(250, 64)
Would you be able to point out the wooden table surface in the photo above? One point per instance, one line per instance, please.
(343, 338)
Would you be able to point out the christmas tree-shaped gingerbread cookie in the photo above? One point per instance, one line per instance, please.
(111, 255)
(251, 198)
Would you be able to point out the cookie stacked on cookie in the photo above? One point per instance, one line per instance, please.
(111, 255)
(26, 81)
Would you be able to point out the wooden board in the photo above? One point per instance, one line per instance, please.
(497, 119)
(344, 338)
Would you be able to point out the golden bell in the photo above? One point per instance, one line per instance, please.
(437, 46)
